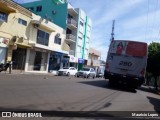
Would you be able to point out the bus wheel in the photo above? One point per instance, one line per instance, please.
(111, 82)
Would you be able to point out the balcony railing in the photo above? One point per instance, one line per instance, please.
(71, 37)
(71, 52)
(72, 22)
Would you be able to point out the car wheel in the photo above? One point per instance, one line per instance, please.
(88, 75)
(75, 75)
(68, 74)
(84, 76)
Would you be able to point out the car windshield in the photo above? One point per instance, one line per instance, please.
(85, 69)
(66, 68)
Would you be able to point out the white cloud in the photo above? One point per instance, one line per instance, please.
(139, 28)
(118, 9)
(141, 21)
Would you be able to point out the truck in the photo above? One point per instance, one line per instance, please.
(126, 63)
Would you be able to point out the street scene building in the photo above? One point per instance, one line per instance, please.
(30, 41)
(76, 23)
(51, 66)
(48, 46)
(14, 33)
(45, 42)
(94, 59)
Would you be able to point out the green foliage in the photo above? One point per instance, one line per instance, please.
(153, 62)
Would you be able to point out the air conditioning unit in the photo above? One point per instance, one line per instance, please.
(21, 39)
(14, 38)
(36, 25)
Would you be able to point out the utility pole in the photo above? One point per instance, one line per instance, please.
(112, 34)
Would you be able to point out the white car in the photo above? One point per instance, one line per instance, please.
(67, 71)
(86, 73)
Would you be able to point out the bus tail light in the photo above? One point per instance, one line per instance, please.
(107, 65)
(142, 72)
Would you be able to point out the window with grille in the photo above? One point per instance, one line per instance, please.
(39, 8)
(3, 16)
(57, 40)
(22, 22)
(42, 37)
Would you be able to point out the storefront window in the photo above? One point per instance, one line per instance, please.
(18, 58)
(2, 54)
(37, 60)
(55, 61)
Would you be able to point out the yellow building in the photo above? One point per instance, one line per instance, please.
(33, 43)
(14, 21)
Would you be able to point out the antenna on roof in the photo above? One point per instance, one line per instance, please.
(112, 34)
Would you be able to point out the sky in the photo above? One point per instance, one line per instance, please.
(137, 20)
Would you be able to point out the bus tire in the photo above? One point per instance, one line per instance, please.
(111, 82)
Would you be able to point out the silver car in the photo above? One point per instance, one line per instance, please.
(86, 73)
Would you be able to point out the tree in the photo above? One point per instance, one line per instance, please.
(153, 61)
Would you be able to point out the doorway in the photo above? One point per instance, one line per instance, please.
(19, 58)
(37, 61)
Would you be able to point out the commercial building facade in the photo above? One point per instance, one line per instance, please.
(74, 20)
(29, 40)
(94, 59)
(48, 46)
(14, 21)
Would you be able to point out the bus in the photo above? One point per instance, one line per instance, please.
(126, 63)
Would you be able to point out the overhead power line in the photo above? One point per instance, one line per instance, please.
(147, 19)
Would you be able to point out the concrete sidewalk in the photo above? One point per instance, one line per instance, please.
(16, 72)
(151, 89)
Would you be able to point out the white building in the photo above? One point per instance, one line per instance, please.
(49, 47)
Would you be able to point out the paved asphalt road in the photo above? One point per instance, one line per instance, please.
(60, 93)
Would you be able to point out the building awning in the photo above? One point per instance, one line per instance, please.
(44, 24)
(50, 49)
(6, 8)
(23, 45)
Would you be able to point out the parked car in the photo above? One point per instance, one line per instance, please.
(99, 75)
(86, 73)
(67, 71)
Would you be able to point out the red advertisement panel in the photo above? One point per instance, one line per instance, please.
(136, 49)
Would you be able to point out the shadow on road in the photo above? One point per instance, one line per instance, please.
(105, 84)
(148, 89)
(156, 103)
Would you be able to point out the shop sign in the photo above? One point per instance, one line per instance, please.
(80, 60)
(72, 58)
(76, 60)
(4, 42)
(57, 53)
